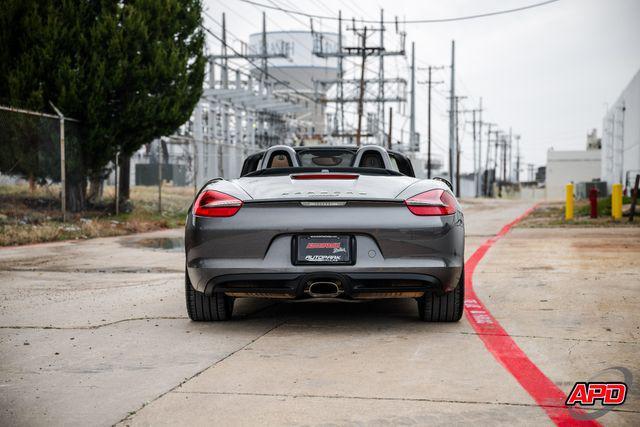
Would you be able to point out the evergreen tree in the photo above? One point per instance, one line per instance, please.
(129, 71)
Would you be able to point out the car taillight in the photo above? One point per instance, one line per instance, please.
(432, 202)
(216, 204)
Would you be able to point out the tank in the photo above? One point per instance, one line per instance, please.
(301, 67)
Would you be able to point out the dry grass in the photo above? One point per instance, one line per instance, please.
(32, 217)
(551, 214)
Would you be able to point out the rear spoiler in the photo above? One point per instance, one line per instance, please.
(446, 181)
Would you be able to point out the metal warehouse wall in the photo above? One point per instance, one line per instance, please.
(621, 137)
(564, 167)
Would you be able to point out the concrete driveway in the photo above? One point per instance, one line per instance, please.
(95, 333)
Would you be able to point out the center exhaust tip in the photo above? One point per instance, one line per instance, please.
(324, 289)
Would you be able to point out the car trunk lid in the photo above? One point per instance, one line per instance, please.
(323, 186)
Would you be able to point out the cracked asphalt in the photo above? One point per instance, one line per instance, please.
(95, 332)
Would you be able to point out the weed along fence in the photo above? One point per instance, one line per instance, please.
(42, 148)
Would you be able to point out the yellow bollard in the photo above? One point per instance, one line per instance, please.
(616, 201)
(568, 210)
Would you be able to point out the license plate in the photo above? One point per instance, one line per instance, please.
(322, 249)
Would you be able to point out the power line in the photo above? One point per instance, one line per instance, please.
(410, 21)
(346, 59)
(303, 95)
(248, 58)
(292, 15)
(439, 96)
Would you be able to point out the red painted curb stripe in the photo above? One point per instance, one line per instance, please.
(546, 394)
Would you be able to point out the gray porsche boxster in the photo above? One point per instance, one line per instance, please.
(325, 222)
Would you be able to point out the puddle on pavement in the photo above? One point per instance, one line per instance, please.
(169, 244)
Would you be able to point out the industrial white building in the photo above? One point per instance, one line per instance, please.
(564, 167)
(621, 137)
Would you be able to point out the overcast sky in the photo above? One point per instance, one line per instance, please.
(547, 72)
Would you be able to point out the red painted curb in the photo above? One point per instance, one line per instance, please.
(546, 394)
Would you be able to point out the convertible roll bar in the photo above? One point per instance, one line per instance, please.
(383, 154)
(266, 159)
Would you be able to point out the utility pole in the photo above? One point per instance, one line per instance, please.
(477, 146)
(452, 119)
(475, 156)
(518, 159)
(457, 100)
(238, 116)
(504, 159)
(507, 157)
(430, 83)
(381, 109)
(429, 125)
(361, 51)
(457, 143)
(225, 85)
(457, 158)
(479, 166)
(389, 140)
(358, 51)
(340, 75)
(414, 144)
(497, 157)
(223, 54)
(477, 141)
(361, 97)
(486, 165)
(265, 62)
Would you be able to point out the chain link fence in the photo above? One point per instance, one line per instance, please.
(187, 162)
(31, 143)
(182, 161)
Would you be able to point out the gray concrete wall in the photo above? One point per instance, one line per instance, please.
(564, 167)
(621, 137)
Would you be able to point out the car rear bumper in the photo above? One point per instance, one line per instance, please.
(357, 285)
(253, 249)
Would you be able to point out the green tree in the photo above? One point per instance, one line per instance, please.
(129, 71)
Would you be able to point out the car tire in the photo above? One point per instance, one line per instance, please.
(203, 308)
(447, 307)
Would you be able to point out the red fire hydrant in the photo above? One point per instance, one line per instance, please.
(593, 199)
